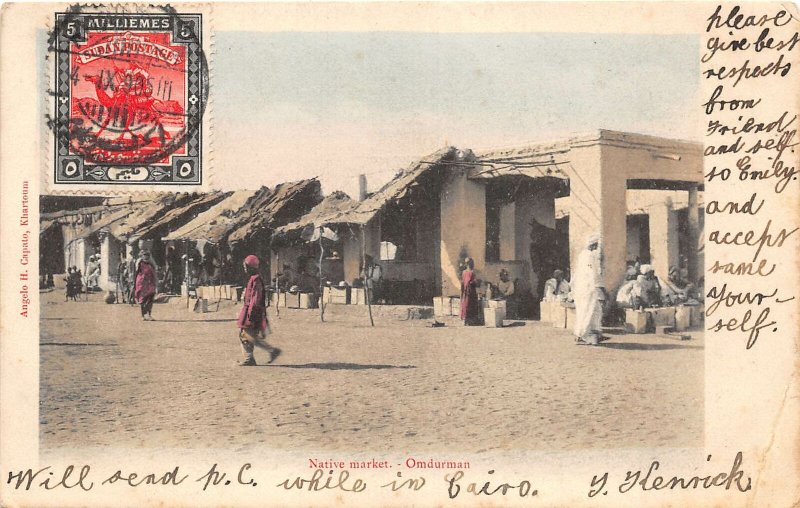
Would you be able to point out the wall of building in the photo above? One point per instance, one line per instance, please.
(73, 255)
(621, 163)
(584, 200)
(110, 250)
(407, 270)
(463, 216)
(663, 238)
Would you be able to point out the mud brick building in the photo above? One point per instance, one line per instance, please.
(529, 210)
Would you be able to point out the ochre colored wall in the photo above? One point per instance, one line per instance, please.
(463, 219)
(663, 238)
(584, 197)
(620, 164)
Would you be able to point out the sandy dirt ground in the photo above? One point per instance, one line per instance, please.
(107, 378)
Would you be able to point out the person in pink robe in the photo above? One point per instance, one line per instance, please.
(252, 323)
(471, 309)
(145, 285)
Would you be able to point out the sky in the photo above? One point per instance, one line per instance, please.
(291, 105)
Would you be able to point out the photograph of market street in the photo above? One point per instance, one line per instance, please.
(388, 262)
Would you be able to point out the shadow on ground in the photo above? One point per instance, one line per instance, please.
(636, 346)
(75, 344)
(194, 320)
(342, 366)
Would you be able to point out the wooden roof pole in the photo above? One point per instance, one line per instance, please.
(364, 265)
(321, 287)
(277, 290)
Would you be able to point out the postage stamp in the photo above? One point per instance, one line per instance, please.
(131, 89)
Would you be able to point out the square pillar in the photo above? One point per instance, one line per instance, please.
(508, 233)
(584, 200)
(615, 168)
(663, 238)
(694, 235)
(615, 233)
(463, 232)
(105, 262)
(80, 255)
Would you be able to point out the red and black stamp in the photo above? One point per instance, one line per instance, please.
(131, 90)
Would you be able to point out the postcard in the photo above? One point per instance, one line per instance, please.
(399, 254)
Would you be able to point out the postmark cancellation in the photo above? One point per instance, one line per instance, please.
(130, 93)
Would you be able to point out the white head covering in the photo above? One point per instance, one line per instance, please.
(645, 268)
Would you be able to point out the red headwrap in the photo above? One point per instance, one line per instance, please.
(251, 260)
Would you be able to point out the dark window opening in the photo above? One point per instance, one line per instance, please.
(398, 235)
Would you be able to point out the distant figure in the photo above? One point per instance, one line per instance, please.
(631, 272)
(507, 290)
(73, 283)
(131, 271)
(589, 293)
(373, 273)
(93, 271)
(252, 322)
(556, 289)
(647, 289)
(285, 278)
(471, 309)
(145, 288)
(676, 290)
(506, 287)
(172, 281)
(123, 279)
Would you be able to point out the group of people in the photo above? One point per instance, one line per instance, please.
(137, 281)
(75, 281)
(586, 290)
(507, 289)
(643, 289)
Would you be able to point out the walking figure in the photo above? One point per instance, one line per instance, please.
(253, 324)
(145, 289)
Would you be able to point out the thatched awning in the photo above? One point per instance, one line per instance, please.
(142, 214)
(104, 222)
(328, 211)
(288, 202)
(185, 210)
(214, 224)
(396, 189)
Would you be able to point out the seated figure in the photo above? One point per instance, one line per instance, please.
(506, 289)
(646, 290)
(625, 294)
(556, 289)
(676, 289)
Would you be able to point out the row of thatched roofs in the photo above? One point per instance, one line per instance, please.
(238, 216)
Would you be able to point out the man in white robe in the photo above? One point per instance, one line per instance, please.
(589, 293)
